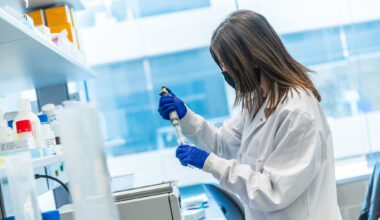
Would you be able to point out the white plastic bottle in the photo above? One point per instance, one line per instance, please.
(48, 134)
(22, 186)
(6, 134)
(51, 111)
(85, 162)
(25, 113)
(24, 131)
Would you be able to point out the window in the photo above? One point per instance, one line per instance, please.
(138, 46)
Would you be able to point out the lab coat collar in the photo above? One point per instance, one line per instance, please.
(261, 116)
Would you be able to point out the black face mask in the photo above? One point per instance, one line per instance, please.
(231, 82)
(228, 79)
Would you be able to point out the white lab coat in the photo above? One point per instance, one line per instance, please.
(281, 166)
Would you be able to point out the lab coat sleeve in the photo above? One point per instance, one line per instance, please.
(285, 175)
(224, 141)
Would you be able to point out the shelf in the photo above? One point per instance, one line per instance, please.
(36, 4)
(30, 61)
(37, 163)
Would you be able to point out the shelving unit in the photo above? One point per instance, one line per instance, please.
(37, 163)
(20, 5)
(30, 61)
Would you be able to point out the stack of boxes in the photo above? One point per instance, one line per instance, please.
(57, 19)
(38, 17)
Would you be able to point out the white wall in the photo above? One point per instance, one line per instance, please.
(152, 35)
(296, 15)
(192, 29)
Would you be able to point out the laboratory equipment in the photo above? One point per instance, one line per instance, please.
(158, 202)
(85, 161)
(51, 111)
(51, 215)
(25, 113)
(196, 214)
(22, 186)
(174, 119)
(6, 134)
(48, 135)
(24, 131)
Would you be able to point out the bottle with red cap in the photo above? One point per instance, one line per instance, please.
(25, 113)
(24, 130)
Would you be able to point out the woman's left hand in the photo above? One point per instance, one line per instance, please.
(191, 155)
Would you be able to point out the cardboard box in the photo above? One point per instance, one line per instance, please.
(70, 30)
(38, 17)
(60, 15)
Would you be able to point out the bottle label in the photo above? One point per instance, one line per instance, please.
(50, 142)
(14, 146)
(36, 131)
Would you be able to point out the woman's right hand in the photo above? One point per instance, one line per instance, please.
(169, 103)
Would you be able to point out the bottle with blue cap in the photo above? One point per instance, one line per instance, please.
(48, 135)
(51, 215)
(6, 134)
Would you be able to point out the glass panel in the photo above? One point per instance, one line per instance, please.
(339, 40)
(130, 78)
(136, 46)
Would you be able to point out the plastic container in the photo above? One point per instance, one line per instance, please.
(85, 161)
(51, 112)
(48, 134)
(51, 215)
(22, 186)
(25, 113)
(6, 134)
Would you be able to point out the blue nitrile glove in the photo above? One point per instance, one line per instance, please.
(191, 155)
(169, 103)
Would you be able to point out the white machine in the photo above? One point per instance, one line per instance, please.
(158, 202)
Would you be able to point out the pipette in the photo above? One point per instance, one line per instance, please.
(174, 119)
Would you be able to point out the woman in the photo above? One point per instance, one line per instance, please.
(277, 155)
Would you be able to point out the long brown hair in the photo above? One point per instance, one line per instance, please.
(245, 43)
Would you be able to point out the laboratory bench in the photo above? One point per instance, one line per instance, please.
(222, 205)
